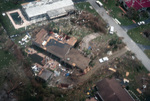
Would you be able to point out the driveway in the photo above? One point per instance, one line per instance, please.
(87, 39)
(126, 28)
(132, 46)
(143, 47)
(98, 65)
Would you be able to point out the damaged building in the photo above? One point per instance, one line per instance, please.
(61, 47)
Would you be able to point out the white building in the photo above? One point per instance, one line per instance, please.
(41, 10)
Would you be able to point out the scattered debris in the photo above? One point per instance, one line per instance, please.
(90, 7)
(127, 73)
(24, 40)
(144, 86)
(133, 57)
(64, 86)
(125, 80)
(115, 66)
(111, 69)
(56, 73)
(139, 91)
(109, 53)
(148, 74)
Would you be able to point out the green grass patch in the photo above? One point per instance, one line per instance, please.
(86, 6)
(81, 32)
(116, 12)
(104, 37)
(136, 35)
(5, 58)
(147, 52)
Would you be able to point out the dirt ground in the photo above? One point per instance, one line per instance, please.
(99, 66)
(122, 63)
(87, 39)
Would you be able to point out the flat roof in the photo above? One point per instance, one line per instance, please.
(46, 74)
(56, 13)
(77, 59)
(36, 58)
(58, 49)
(32, 9)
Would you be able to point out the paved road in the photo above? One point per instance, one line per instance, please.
(126, 28)
(122, 33)
(87, 39)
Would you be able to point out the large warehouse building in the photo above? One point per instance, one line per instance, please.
(41, 10)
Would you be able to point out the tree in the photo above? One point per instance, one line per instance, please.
(132, 13)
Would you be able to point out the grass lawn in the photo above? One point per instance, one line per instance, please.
(137, 37)
(5, 58)
(116, 12)
(105, 37)
(86, 6)
(147, 52)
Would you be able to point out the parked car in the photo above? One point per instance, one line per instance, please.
(101, 60)
(99, 3)
(111, 30)
(141, 23)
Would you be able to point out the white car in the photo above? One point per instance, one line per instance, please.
(111, 30)
(101, 60)
(105, 58)
(141, 23)
(99, 3)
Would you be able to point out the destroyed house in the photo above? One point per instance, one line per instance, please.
(61, 47)
(111, 90)
(45, 75)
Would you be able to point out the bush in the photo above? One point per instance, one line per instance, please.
(91, 63)
(132, 14)
(87, 52)
(116, 43)
(113, 42)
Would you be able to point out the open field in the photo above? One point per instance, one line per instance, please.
(116, 12)
(5, 58)
(86, 6)
(65, 26)
(136, 35)
(147, 52)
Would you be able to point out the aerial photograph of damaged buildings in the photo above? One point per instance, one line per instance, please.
(74, 50)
